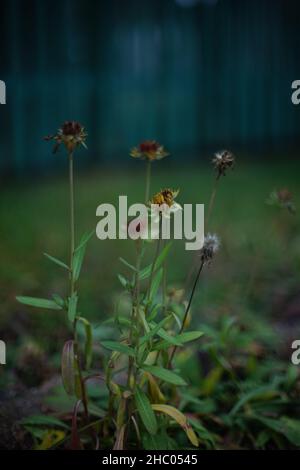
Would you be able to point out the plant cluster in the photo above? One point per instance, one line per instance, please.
(144, 377)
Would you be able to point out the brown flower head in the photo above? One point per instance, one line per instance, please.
(149, 150)
(282, 198)
(222, 161)
(71, 134)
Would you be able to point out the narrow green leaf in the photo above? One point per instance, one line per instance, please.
(78, 255)
(142, 316)
(119, 347)
(43, 420)
(88, 349)
(57, 261)
(123, 281)
(119, 320)
(72, 307)
(189, 336)
(164, 374)
(130, 266)
(84, 239)
(152, 313)
(177, 340)
(145, 411)
(168, 338)
(144, 273)
(154, 330)
(155, 284)
(289, 427)
(37, 302)
(264, 392)
(58, 300)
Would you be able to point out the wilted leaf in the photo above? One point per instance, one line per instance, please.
(180, 418)
(50, 438)
(75, 439)
(119, 444)
(154, 390)
(69, 368)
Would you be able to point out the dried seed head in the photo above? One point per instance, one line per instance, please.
(210, 247)
(71, 128)
(149, 150)
(222, 161)
(282, 198)
(71, 134)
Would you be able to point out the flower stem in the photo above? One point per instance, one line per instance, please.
(207, 218)
(72, 221)
(72, 283)
(148, 179)
(186, 311)
(212, 199)
(135, 307)
(154, 262)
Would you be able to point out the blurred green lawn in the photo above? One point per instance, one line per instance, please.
(260, 244)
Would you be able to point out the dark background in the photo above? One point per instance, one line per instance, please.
(192, 74)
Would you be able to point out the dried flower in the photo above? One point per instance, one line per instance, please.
(71, 134)
(164, 203)
(282, 198)
(210, 247)
(149, 150)
(165, 196)
(222, 161)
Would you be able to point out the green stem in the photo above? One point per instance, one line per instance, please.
(72, 283)
(207, 218)
(187, 311)
(164, 285)
(148, 179)
(154, 263)
(135, 307)
(212, 199)
(72, 221)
